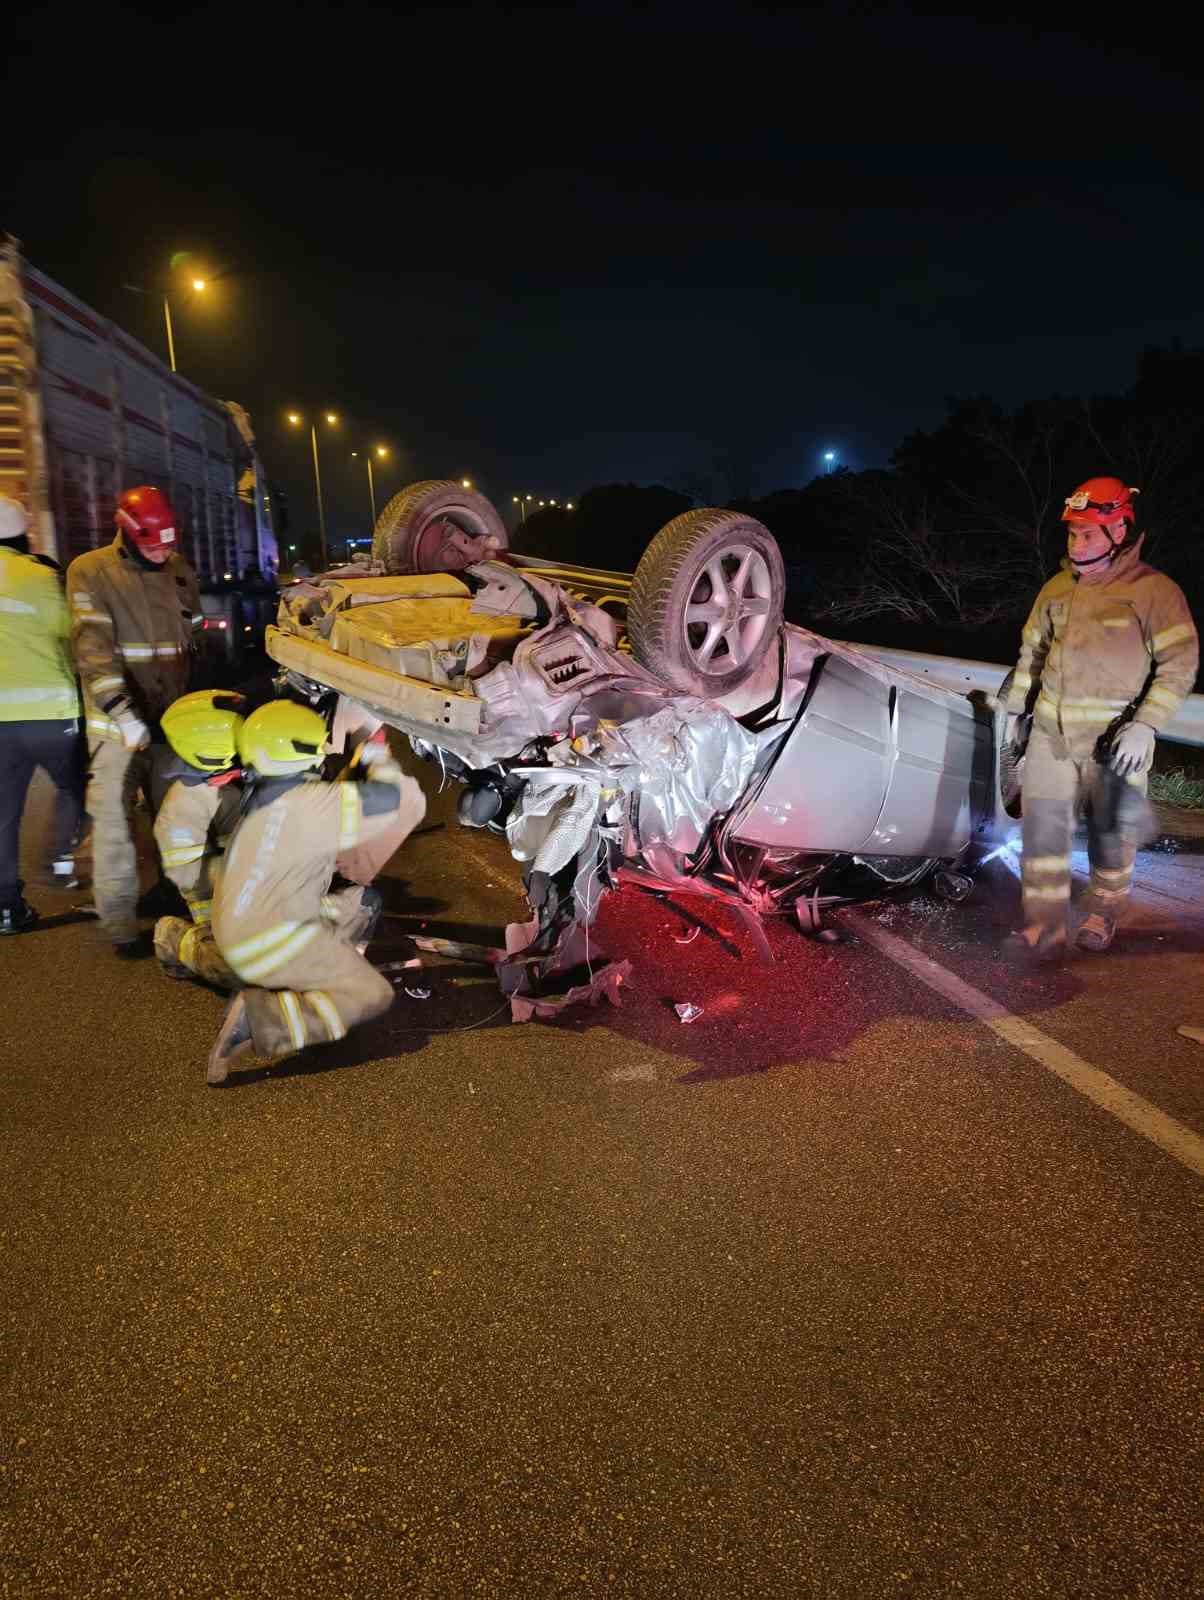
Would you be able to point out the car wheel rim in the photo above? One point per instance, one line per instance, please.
(728, 610)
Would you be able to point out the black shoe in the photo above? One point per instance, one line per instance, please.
(163, 900)
(17, 919)
(135, 949)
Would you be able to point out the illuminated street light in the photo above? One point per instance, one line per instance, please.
(568, 505)
(296, 419)
(466, 483)
(381, 451)
(829, 459)
(197, 284)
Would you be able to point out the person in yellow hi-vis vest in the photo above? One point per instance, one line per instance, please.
(1107, 657)
(136, 617)
(298, 948)
(39, 712)
(194, 825)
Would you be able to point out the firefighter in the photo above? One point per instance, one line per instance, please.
(39, 712)
(194, 825)
(1107, 657)
(298, 948)
(136, 613)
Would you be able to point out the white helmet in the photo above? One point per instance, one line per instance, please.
(14, 519)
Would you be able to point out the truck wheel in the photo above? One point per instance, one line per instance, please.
(437, 526)
(706, 601)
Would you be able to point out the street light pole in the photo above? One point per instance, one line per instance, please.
(296, 420)
(171, 343)
(313, 438)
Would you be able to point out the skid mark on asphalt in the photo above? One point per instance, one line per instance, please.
(1138, 1114)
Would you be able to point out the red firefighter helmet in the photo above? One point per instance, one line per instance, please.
(1102, 501)
(144, 514)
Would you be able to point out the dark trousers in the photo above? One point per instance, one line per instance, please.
(24, 746)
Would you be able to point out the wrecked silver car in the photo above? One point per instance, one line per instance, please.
(668, 730)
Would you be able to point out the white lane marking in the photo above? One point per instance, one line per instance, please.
(638, 1072)
(1089, 1081)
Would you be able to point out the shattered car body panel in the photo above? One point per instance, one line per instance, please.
(823, 777)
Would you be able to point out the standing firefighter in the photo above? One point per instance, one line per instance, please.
(39, 712)
(136, 611)
(297, 947)
(1108, 655)
(194, 825)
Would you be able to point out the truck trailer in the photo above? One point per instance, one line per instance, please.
(87, 411)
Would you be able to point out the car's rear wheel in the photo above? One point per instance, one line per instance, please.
(706, 601)
(437, 526)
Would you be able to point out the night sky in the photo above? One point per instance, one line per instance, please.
(551, 247)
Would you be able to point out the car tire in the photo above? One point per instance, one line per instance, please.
(706, 601)
(437, 526)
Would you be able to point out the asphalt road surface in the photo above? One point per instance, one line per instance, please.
(881, 1278)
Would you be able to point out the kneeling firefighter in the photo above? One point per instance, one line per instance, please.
(194, 825)
(297, 947)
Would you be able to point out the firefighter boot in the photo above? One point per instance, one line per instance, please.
(233, 1042)
(168, 933)
(1096, 933)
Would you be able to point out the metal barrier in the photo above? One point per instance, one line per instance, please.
(1186, 728)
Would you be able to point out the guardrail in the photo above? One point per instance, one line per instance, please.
(951, 673)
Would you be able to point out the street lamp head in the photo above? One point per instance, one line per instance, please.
(466, 483)
(829, 455)
(381, 451)
(568, 505)
(294, 418)
(332, 416)
(198, 284)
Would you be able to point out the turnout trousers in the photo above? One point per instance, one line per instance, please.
(1063, 778)
(114, 779)
(324, 988)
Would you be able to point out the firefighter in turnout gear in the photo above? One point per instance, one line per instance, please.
(39, 712)
(1107, 657)
(135, 613)
(194, 825)
(297, 947)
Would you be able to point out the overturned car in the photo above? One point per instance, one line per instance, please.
(667, 730)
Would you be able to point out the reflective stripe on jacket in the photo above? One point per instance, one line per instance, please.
(190, 832)
(1090, 650)
(133, 630)
(37, 678)
(269, 901)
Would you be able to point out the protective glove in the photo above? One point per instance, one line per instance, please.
(1133, 749)
(374, 751)
(135, 735)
